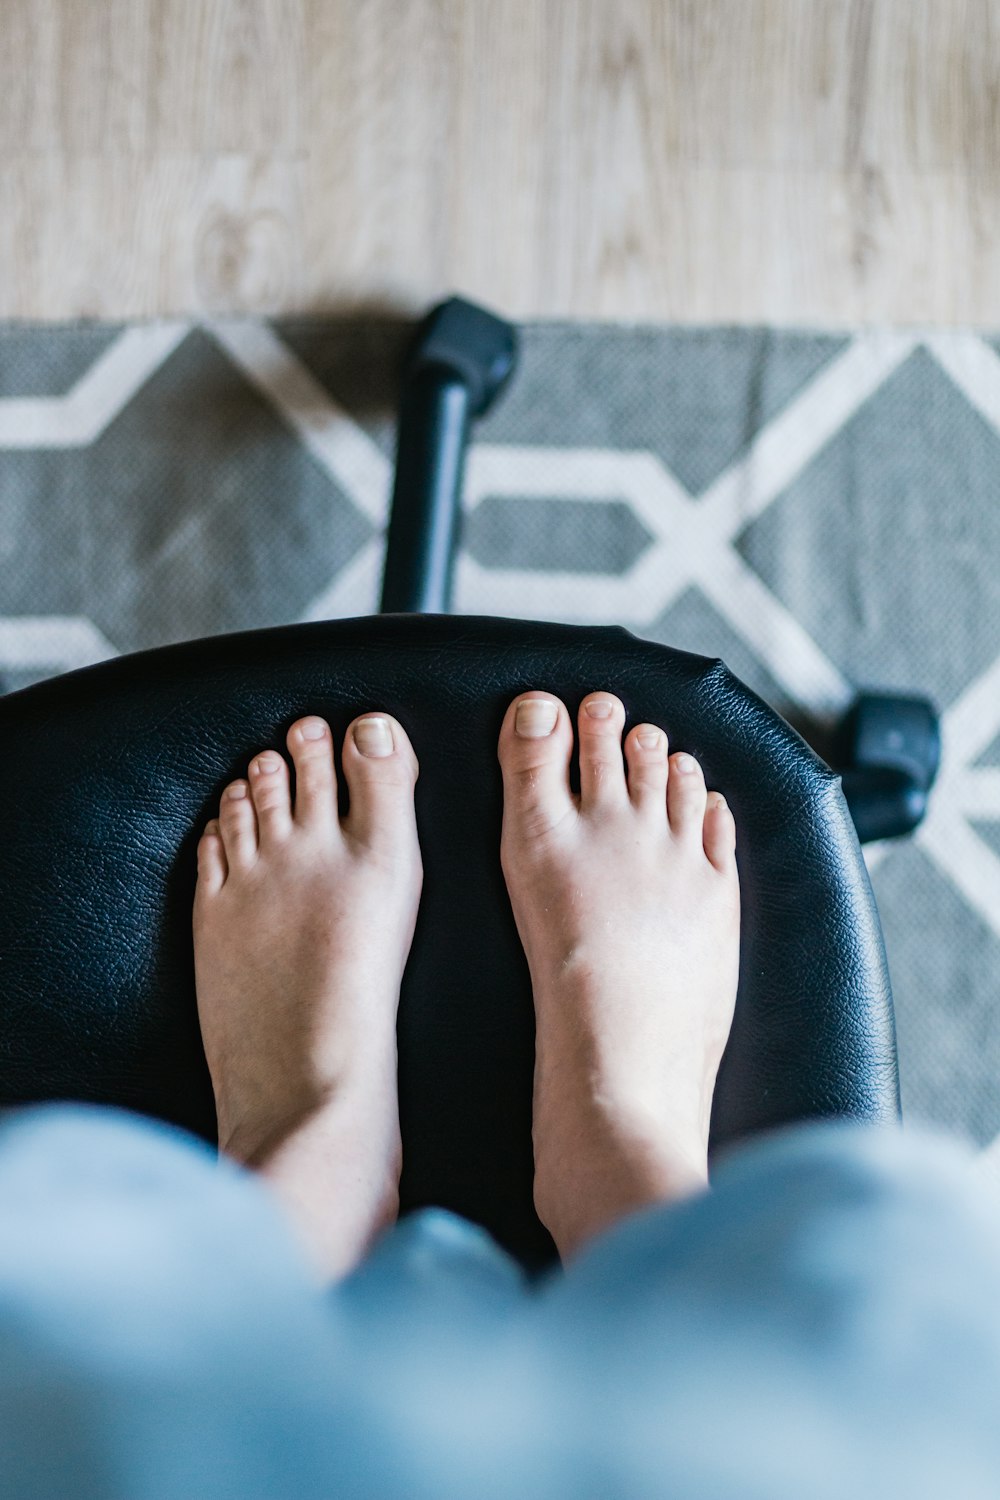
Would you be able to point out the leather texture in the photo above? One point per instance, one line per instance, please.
(113, 771)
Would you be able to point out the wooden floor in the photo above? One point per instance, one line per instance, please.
(795, 162)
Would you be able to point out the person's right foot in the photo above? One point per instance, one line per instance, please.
(627, 902)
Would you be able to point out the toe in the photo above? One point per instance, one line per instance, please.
(720, 832)
(602, 769)
(271, 796)
(646, 753)
(381, 770)
(686, 796)
(311, 745)
(534, 750)
(211, 859)
(238, 823)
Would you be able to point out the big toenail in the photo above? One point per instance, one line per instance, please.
(312, 729)
(535, 717)
(372, 737)
(599, 709)
(685, 763)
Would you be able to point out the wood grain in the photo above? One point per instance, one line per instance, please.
(796, 162)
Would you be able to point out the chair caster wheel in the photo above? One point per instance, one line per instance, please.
(887, 748)
(468, 342)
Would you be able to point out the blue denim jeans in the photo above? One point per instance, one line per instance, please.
(824, 1322)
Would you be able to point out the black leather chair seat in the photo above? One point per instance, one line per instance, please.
(113, 770)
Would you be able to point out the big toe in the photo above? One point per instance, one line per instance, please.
(381, 769)
(536, 744)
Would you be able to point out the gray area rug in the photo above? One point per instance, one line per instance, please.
(822, 511)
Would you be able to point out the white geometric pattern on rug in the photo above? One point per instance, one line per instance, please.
(692, 540)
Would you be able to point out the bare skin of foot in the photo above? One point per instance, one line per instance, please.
(626, 899)
(303, 922)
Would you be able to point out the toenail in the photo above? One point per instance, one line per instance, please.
(373, 737)
(312, 729)
(649, 739)
(685, 763)
(599, 709)
(265, 767)
(535, 717)
(238, 789)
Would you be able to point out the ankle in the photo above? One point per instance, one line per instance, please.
(337, 1176)
(598, 1170)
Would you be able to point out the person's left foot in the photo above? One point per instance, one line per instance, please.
(302, 927)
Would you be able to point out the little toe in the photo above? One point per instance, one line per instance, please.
(646, 754)
(311, 745)
(534, 750)
(602, 770)
(686, 796)
(720, 832)
(238, 823)
(381, 770)
(271, 796)
(212, 868)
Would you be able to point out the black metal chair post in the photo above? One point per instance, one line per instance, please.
(460, 359)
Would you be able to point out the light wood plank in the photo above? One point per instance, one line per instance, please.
(797, 162)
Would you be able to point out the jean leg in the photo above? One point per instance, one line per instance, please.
(824, 1321)
(161, 1335)
(432, 1259)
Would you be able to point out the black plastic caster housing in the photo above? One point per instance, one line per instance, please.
(887, 749)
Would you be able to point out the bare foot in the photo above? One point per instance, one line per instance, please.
(302, 927)
(626, 899)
